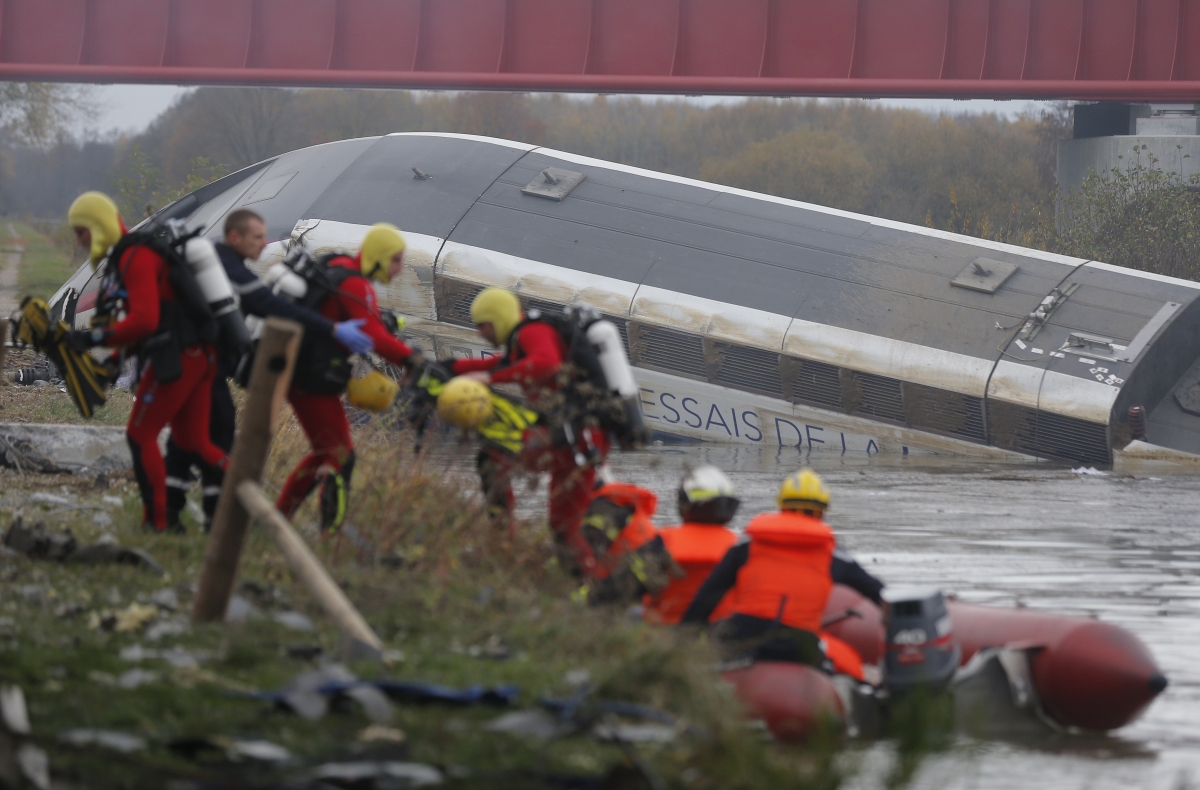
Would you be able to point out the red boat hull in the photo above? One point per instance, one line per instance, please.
(1088, 674)
(792, 699)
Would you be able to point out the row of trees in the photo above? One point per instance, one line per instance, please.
(976, 174)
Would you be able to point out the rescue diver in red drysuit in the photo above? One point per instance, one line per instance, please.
(245, 238)
(140, 286)
(534, 353)
(316, 402)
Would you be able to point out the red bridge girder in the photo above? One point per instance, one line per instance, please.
(1134, 50)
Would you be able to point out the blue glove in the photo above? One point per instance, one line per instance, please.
(350, 335)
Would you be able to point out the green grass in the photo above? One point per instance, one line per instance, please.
(460, 583)
(49, 404)
(48, 259)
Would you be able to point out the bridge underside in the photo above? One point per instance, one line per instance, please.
(1119, 50)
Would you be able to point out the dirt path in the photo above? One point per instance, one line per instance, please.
(8, 275)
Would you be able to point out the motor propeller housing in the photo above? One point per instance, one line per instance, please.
(920, 649)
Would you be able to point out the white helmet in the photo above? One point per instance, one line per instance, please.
(706, 495)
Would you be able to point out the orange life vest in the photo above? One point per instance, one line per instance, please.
(696, 549)
(845, 658)
(638, 530)
(786, 576)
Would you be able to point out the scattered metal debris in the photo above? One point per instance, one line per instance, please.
(13, 711)
(132, 618)
(122, 742)
(237, 750)
(378, 732)
(105, 552)
(136, 678)
(634, 733)
(166, 599)
(177, 657)
(240, 610)
(356, 774)
(294, 621)
(262, 751)
(35, 765)
(79, 449)
(39, 543)
(163, 628)
(533, 723)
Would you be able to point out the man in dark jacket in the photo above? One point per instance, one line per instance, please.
(245, 238)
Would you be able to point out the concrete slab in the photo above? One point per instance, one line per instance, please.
(81, 449)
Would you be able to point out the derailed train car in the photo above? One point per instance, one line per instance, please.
(750, 318)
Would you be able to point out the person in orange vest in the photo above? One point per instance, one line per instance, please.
(618, 528)
(706, 504)
(779, 578)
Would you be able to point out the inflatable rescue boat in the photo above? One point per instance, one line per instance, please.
(1070, 672)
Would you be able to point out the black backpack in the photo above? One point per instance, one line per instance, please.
(585, 395)
(323, 365)
(182, 323)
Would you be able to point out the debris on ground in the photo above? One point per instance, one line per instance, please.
(239, 610)
(310, 693)
(532, 723)
(122, 742)
(50, 449)
(412, 691)
(177, 656)
(13, 711)
(106, 552)
(294, 621)
(634, 733)
(164, 628)
(132, 618)
(378, 732)
(38, 542)
(166, 599)
(218, 748)
(137, 677)
(357, 774)
(35, 765)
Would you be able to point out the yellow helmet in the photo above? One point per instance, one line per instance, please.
(373, 392)
(97, 212)
(379, 245)
(803, 490)
(465, 402)
(498, 307)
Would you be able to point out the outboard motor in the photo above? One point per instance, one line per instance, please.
(921, 650)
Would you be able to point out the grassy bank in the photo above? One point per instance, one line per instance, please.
(50, 404)
(459, 602)
(48, 259)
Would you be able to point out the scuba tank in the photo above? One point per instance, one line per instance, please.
(618, 374)
(921, 650)
(214, 284)
(282, 280)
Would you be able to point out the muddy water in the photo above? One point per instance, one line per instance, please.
(1124, 549)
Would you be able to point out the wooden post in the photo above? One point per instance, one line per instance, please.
(269, 382)
(307, 567)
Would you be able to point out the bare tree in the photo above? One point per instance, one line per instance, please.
(248, 124)
(36, 113)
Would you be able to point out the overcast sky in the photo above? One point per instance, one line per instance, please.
(131, 108)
